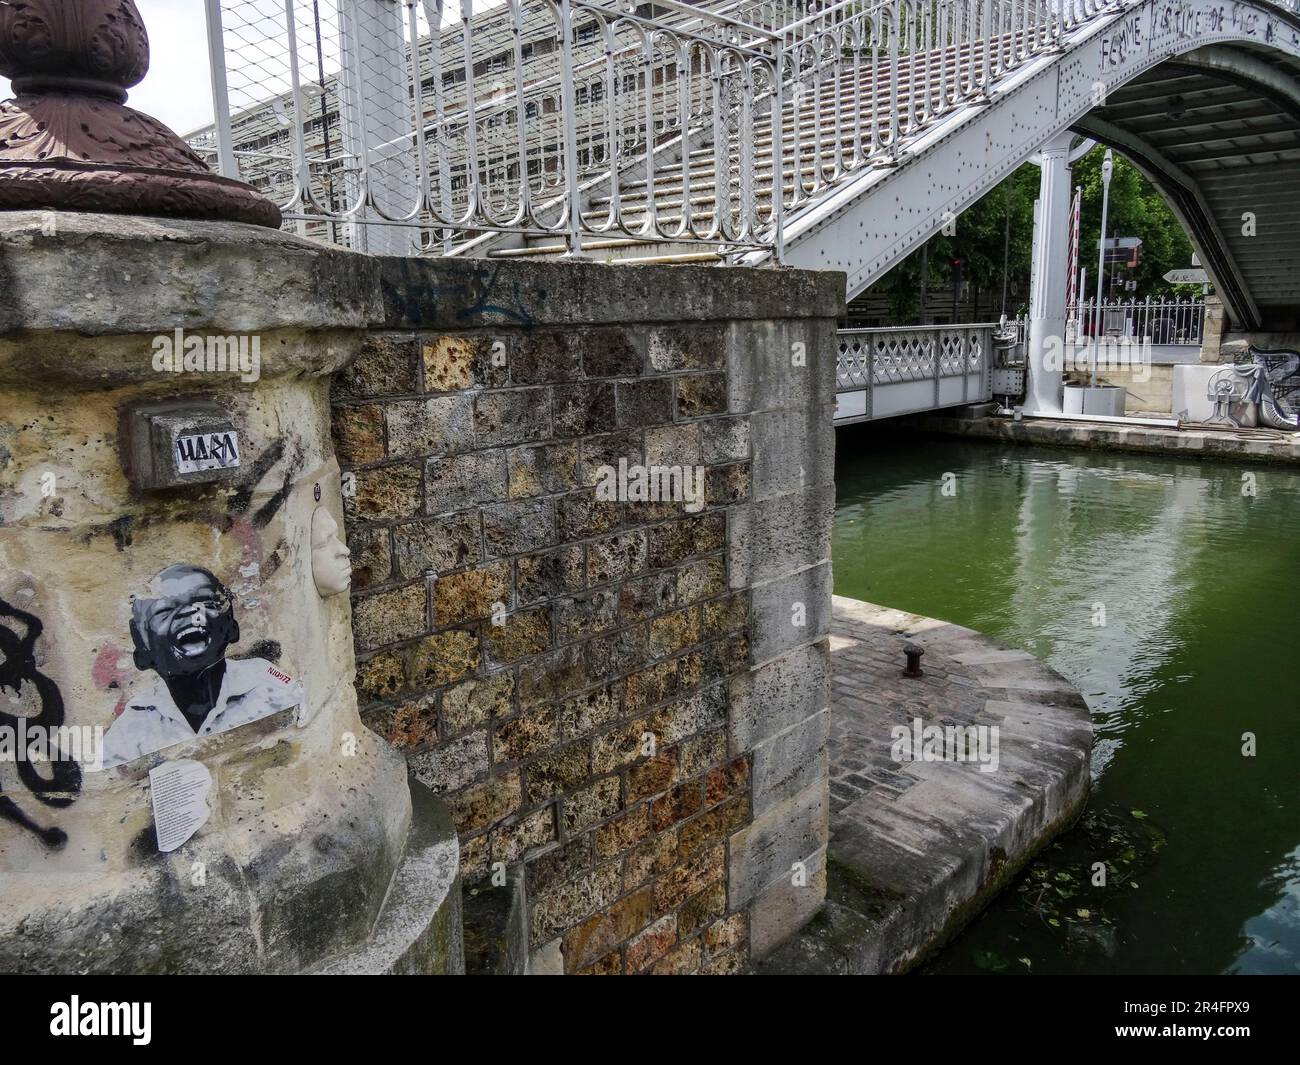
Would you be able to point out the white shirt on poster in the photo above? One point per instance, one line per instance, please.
(251, 689)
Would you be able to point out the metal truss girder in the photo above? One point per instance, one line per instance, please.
(1246, 70)
(1265, 122)
(875, 221)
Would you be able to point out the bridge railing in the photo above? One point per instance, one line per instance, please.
(885, 372)
(1175, 321)
(1161, 321)
(367, 119)
(492, 115)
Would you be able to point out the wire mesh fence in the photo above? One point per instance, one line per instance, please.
(360, 114)
(403, 126)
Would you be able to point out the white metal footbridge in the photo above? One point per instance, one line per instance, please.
(827, 135)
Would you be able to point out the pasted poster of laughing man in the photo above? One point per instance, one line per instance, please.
(181, 628)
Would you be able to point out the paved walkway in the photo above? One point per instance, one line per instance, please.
(919, 847)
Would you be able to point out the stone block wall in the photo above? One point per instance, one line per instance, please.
(1153, 394)
(1215, 325)
(1225, 342)
(627, 696)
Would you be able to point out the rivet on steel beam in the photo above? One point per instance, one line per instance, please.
(914, 653)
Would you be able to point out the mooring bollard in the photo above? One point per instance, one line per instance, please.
(914, 653)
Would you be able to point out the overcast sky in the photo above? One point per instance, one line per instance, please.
(177, 89)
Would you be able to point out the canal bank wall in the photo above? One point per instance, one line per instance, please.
(1269, 446)
(920, 844)
(591, 526)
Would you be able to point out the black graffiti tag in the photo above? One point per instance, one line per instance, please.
(18, 667)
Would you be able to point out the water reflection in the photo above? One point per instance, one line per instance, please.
(1167, 596)
(1272, 947)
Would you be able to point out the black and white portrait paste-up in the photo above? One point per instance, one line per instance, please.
(181, 629)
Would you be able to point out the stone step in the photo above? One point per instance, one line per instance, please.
(418, 931)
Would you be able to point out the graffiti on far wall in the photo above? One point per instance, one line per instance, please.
(1281, 404)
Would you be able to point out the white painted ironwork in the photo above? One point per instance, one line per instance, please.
(879, 215)
(1176, 321)
(912, 368)
(532, 116)
(1161, 321)
(602, 122)
(1054, 247)
(571, 117)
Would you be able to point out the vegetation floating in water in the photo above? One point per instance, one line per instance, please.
(1064, 893)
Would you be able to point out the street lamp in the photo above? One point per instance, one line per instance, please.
(1107, 168)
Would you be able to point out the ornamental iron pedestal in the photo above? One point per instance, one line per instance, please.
(68, 141)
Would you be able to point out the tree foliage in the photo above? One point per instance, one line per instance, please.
(1137, 209)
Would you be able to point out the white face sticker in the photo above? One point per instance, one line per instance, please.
(207, 451)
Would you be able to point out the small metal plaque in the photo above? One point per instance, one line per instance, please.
(179, 442)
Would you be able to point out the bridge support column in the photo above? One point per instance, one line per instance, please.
(1048, 274)
(377, 115)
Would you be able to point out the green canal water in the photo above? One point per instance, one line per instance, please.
(1198, 644)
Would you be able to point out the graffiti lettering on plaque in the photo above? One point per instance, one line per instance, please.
(182, 626)
(207, 451)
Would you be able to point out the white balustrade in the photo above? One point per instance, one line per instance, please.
(708, 123)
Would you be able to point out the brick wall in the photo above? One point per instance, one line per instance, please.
(627, 696)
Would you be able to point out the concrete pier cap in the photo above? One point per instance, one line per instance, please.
(303, 859)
